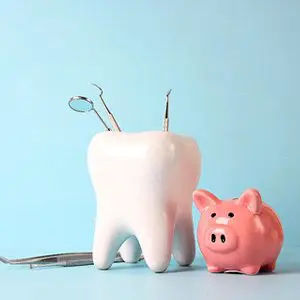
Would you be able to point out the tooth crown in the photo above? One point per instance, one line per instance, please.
(143, 184)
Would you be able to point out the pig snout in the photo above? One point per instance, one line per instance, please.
(221, 239)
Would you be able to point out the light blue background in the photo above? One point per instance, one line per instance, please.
(234, 70)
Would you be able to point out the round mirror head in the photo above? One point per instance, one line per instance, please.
(81, 104)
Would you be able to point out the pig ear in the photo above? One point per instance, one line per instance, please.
(204, 199)
(251, 199)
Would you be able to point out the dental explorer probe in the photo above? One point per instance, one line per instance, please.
(166, 119)
(110, 115)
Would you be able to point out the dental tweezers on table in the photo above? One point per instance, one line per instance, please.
(59, 259)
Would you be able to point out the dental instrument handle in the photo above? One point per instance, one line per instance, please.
(166, 124)
(109, 113)
(166, 118)
(115, 124)
(102, 121)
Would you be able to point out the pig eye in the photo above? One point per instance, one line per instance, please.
(213, 215)
(231, 215)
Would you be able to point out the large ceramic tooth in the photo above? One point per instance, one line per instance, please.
(143, 184)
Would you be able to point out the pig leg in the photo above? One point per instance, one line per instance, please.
(213, 269)
(131, 251)
(250, 270)
(184, 241)
(269, 267)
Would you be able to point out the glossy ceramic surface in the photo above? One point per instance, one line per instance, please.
(144, 184)
(242, 235)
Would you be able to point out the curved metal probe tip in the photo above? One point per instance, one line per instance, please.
(169, 92)
(110, 115)
(166, 119)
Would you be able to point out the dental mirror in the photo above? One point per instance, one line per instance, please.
(84, 104)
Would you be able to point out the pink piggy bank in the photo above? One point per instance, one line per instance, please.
(242, 235)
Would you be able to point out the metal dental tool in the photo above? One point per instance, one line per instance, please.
(59, 259)
(84, 104)
(166, 119)
(110, 115)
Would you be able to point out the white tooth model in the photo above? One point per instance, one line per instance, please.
(144, 184)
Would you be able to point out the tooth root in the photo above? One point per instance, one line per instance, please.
(107, 241)
(131, 250)
(184, 242)
(156, 239)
